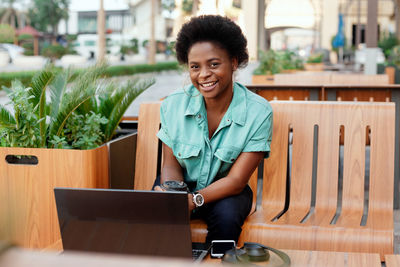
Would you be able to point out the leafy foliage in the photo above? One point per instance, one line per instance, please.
(46, 14)
(387, 43)
(54, 51)
(315, 58)
(82, 112)
(272, 62)
(394, 56)
(6, 33)
(187, 6)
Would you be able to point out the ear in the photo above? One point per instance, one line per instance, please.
(234, 62)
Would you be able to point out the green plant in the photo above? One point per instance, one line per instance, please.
(82, 112)
(290, 61)
(187, 6)
(26, 41)
(269, 63)
(394, 56)
(315, 58)
(54, 51)
(28, 48)
(387, 43)
(25, 37)
(6, 33)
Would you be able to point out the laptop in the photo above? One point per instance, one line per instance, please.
(132, 222)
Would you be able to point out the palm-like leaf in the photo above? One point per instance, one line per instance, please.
(121, 101)
(39, 86)
(66, 110)
(88, 106)
(57, 91)
(7, 120)
(106, 99)
(83, 89)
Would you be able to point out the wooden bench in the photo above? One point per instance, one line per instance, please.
(304, 207)
(297, 213)
(392, 260)
(148, 150)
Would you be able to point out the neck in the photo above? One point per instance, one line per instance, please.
(221, 104)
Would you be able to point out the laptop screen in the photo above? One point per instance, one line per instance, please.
(124, 221)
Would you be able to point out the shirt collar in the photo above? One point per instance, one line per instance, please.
(195, 100)
(239, 104)
(237, 109)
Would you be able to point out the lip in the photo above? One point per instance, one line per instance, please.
(208, 88)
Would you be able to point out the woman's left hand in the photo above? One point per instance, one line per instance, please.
(190, 203)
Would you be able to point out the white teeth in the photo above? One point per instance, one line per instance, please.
(208, 84)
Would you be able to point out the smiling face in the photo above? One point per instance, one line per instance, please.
(211, 70)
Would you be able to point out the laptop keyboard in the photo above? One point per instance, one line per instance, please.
(198, 254)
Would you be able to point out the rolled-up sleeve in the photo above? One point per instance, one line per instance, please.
(163, 132)
(260, 141)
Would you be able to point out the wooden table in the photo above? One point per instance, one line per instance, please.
(303, 258)
(18, 257)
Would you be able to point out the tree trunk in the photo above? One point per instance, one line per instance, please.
(55, 33)
(101, 32)
(397, 17)
(262, 39)
(152, 41)
(195, 7)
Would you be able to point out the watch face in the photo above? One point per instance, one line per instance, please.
(198, 199)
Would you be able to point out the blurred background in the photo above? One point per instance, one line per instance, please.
(338, 32)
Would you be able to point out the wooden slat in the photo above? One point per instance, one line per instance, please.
(317, 232)
(304, 78)
(392, 260)
(274, 94)
(147, 146)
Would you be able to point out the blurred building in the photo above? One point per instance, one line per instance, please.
(279, 24)
(125, 20)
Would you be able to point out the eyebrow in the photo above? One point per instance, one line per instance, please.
(211, 59)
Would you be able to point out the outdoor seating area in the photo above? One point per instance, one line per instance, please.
(200, 133)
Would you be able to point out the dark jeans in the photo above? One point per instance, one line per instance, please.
(224, 217)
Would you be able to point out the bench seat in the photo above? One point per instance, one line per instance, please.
(324, 186)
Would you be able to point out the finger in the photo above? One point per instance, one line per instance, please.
(158, 188)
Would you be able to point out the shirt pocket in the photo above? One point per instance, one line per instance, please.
(186, 154)
(227, 157)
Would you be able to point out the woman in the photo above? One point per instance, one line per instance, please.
(215, 132)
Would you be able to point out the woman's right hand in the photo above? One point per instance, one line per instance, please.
(158, 188)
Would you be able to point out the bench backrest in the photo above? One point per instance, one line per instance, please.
(299, 126)
(147, 149)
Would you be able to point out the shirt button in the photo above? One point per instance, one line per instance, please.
(199, 116)
(179, 154)
(228, 120)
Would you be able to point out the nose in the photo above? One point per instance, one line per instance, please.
(204, 72)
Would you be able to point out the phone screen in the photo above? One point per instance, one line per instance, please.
(219, 247)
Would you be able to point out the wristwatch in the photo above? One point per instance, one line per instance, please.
(198, 199)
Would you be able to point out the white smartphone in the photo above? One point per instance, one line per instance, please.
(219, 247)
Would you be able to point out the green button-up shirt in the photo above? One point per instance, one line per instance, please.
(245, 127)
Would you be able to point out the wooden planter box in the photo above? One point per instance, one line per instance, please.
(314, 66)
(28, 215)
(262, 79)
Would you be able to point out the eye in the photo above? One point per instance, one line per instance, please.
(214, 64)
(194, 67)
